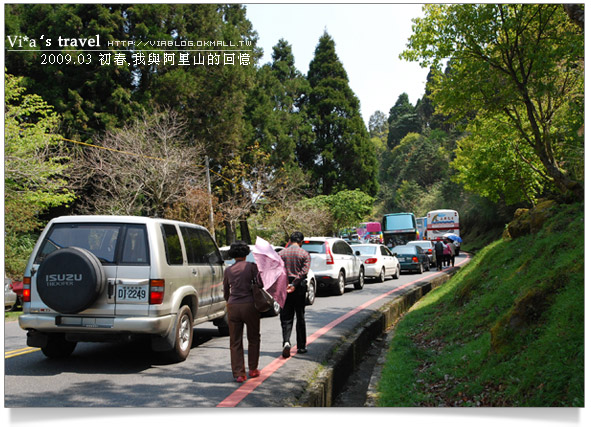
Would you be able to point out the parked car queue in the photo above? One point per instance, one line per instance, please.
(335, 264)
(101, 278)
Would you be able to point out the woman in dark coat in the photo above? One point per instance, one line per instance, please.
(238, 280)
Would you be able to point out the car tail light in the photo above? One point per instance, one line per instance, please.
(329, 257)
(26, 289)
(371, 260)
(415, 259)
(156, 291)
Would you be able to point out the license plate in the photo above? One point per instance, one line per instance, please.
(131, 294)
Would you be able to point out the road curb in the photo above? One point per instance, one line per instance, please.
(348, 354)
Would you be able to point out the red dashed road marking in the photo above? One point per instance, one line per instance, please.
(249, 386)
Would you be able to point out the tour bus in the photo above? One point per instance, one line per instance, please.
(441, 222)
(399, 228)
(370, 232)
(422, 226)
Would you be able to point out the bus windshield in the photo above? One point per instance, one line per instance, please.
(399, 222)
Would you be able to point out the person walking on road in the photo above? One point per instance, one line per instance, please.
(452, 252)
(297, 264)
(446, 254)
(238, 279)
(439, 254)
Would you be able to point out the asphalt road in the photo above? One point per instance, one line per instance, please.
(128, 375)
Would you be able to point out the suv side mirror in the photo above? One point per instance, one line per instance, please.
(357, 253)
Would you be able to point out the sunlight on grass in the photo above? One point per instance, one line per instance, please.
(507, 330)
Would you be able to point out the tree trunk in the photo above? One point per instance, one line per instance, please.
(244, 232)
(230, 232)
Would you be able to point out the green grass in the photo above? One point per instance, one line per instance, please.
(11, 316)
(507, 330)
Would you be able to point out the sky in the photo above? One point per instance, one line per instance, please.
(368, 37)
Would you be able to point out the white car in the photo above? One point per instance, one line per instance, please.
(310, 294)
(334, 263)
(378, 261)
(9, 295)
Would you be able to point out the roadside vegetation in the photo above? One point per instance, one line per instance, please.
(286, 148)
(507, 330)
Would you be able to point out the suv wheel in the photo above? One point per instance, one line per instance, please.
(57, 346)
(184, 334)
(361, 281)
(340, 287)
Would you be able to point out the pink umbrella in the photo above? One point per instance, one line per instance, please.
(272, 270)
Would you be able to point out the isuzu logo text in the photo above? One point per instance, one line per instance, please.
(62, 279)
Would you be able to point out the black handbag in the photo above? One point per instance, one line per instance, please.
(263, 301)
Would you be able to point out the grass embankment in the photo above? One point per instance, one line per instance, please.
(11, 316)
(507, 330)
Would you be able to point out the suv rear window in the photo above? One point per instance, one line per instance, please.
(314, 247)
(103, 240)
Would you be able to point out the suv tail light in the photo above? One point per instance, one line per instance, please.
(371, 260)
(415, 259)
(156, 291)
(26, 289)
(329, 257)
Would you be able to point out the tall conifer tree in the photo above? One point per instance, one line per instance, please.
(341, 155)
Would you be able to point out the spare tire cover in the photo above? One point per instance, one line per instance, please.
(70, 279)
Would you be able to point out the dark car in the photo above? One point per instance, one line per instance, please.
(429, 248)
(412, 258)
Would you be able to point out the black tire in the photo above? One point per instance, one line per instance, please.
(340, 286)
(361, 280)
(183, 335)
(57, 347)
(311, 293)
(70, 280)
(397, 274)
(382, 276)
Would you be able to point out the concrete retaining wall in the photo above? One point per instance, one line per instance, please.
(333, 376)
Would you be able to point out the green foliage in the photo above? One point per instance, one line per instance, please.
(341, 156)
(34, 170)
(490, 163)
(507, 330)
(89, 97)
(347, 207)
(516, 64)
(378, 126)
(417, 159)
(273, 116)
(403, 119)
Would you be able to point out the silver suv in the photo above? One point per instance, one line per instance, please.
(104, 278)
(334, 263)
